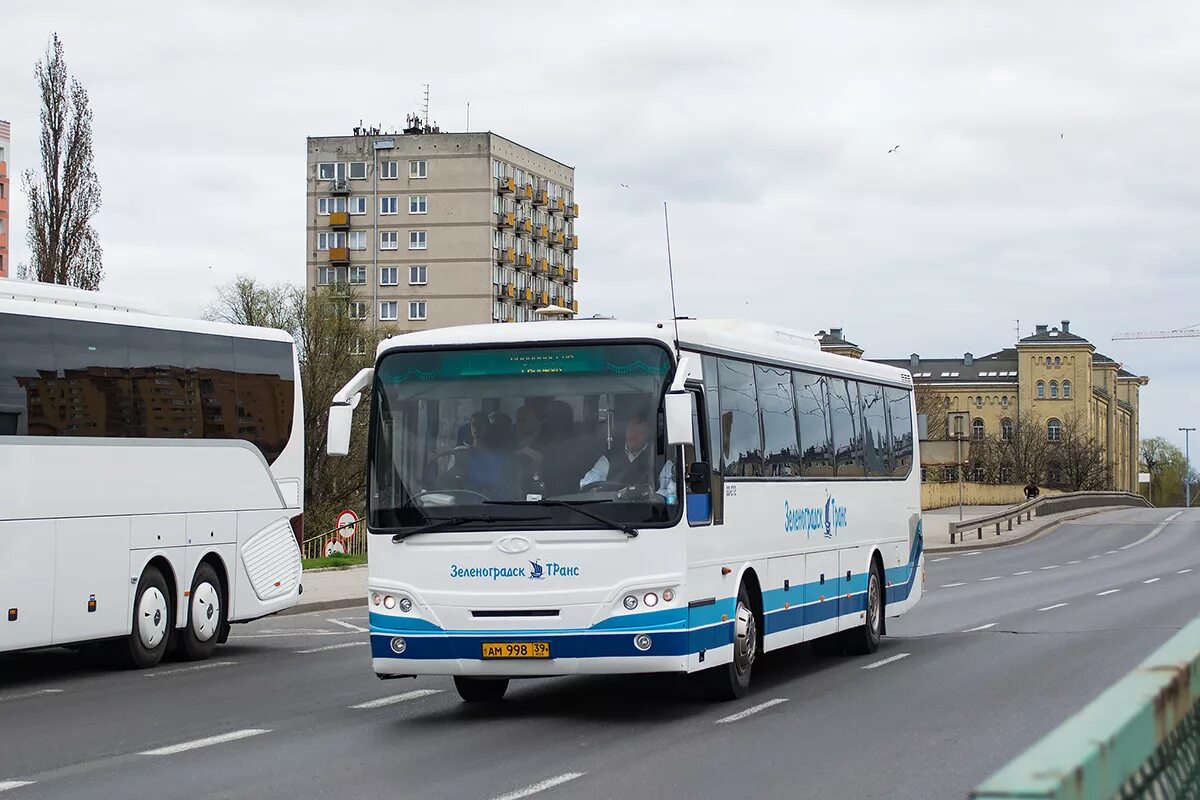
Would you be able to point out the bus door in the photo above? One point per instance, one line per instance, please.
(698, 474)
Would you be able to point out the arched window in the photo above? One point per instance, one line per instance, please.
(1006, 428)
(1053, 389)
(978, 401)
(1004, 401)
(1054, 430)
(1049, 361)
(1066, 390)
(977, 429)
(1041, 390)
(1057, 361)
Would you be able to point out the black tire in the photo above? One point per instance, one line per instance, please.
(732, 681)
(205, 615)
(480, 690)
(153, 619)
(864, 640)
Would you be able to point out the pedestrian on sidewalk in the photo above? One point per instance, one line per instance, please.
(1031, 490)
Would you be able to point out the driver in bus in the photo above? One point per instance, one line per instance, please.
(633, 463)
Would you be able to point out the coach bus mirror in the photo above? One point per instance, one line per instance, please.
(340, 417)
(678, 411)
(699, 478)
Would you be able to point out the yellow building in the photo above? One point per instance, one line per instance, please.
(1055, 376)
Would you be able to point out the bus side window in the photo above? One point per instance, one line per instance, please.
(712, 419)
(697, 469)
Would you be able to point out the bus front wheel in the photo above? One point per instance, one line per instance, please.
(152, 621)
(480, 690)
(731, 681)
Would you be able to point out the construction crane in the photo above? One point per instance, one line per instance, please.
(1178, 333)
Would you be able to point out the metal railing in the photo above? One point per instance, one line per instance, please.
(1139, 739)
(319, 546)
(1042, 506)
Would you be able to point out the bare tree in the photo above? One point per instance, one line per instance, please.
(246, 302)
(1080, 457)
(65, 196)
(1019, 457)
(935, 406)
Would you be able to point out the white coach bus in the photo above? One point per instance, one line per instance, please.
(591, 496)
(151, 475)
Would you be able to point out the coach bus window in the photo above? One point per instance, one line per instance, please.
(875, 436)
(212, 378)
(812, 414)
(27, 383)
(92, 363)
(847, 442)
(900, 412)
(781, 455)
(741, 435)
(712, 404)
(265, 393)
(161, 381)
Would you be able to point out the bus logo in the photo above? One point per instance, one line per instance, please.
(513, 545)
(536, 572)
(827, 519)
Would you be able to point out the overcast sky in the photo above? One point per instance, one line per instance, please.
(1048, 165)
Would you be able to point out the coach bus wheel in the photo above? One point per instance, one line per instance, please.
(480, 690)
(864, 639)
(152, 620)
(206, 615)
(731, 681)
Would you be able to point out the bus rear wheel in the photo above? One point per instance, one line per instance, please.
(480, 690)
(864, 640)
(731, 681)
(206, 615)
(152, 622)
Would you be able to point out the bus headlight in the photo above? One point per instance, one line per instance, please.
(389, 602)
(642, 642)
(630, 602)
(668, 595)
(376, 599)
(651, 599)
(399, 645)
(405, 604)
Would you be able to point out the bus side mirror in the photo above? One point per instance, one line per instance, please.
(677, 407)
(699, 478)
(338, 441)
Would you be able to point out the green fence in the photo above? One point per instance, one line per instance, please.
(1139, 739)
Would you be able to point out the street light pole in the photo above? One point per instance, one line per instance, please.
(1187, 468)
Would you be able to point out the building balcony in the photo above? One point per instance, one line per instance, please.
(525, 259)
(572, 243)
(572, 211)
(339, 220)
(559, 271)
(558, 205)
(505, 185)
(506, 219)
(526, 225)
(540, 198)
(543, 265)
(575, 306)
(525, 192)
(339, 255)
(506, 256)
(544, 299)
(541, 231)
(527, 295)
(575, 274)
(558, 237)
(339, 186)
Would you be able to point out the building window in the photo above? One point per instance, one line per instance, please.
(1041, 390)
(387, 205)
(358, 170)
(418, 275)
(924, 474)
(387, 310)
(416, 310)
(1006, 429)
(358, 275)
(1049, 361)
(389, 276)
(1006, 474)
(1053, 390)
(978, 401)
(328, 205)
(977, 429)
(389, 170)
(417, 169)
(417, 240)
(1004, 401)
(1057, 361)
(358, 205)
(357, 240)
(358, 310)
(330, 239)
(497, 168)
(978, 475)
(1053, 430)
(389, 240)
(418, 204)
(331, 171)
(1066, 390)
(357, 346)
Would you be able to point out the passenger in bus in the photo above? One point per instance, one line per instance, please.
(529, 435)
(486, 467)
(633, 464)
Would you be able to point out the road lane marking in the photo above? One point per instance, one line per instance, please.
(1022, 572)
(993, 578)
(26, 695)
(751, 710)
(1110, 552)
(896, 657)
(1092, 558)
(1051, 608)
(973, 553)
(1107, 591)
(6, 785)
(1076, 561)
(981, 627)
(1154, 532)
(208, 741)
(397, 698)
(1184, 571)
(277, 635)
(943, 558)
(541, 786)
(354, 628)
(1052, 566)
(331, 647)
(1152, 580)
(196, 668)
(952, 585)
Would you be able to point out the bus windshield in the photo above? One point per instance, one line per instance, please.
(471, 436)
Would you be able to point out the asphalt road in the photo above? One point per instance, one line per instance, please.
(1007, 644)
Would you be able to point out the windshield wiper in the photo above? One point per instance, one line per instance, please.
(623, 527)
(456, 522)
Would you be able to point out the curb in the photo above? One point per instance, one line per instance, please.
(1034, 534)
(323, 605)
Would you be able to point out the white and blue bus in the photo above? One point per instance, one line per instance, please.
(597, 496)
(151, 475)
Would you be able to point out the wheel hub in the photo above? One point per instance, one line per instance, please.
(745, 645)
(152, 618)
(206, 611)
(873, 603)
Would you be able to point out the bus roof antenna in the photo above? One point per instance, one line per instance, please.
(671, 277)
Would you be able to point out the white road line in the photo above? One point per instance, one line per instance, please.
(751, 710)
(182, 747)
(354, 628)
(1051, 566)
(1107, 591)
(993, 578)
(1091, 558)
(331, 647)
(896, 657)
(1152, 580)
(981, 627)
(26, 695)
(1184, 571)
(196, 668)
(6, 785)
(1110, 552)
(277, 634)
(397, 698)
(1051, 608)
(973, 553)
(541, 786)
(943, 558)
(952, 585)
(1154, 532)
(1022, 572)
(1076, 561)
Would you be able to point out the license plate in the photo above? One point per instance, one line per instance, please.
(516, 649)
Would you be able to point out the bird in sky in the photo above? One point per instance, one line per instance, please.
(1060, 136)
(625, 185)
(894, 149)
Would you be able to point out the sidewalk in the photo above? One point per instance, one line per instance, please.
(332, 588)
(937, 524)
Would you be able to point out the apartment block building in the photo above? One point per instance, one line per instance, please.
(428, 229)
(5, 138)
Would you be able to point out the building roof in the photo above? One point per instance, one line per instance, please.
(835, 338)
(1044, 334)
(1100, 358)
(998, 368)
